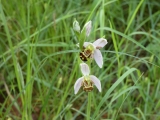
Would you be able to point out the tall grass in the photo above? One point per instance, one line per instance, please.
(39, 59)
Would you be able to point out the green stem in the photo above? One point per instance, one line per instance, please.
(89, 106)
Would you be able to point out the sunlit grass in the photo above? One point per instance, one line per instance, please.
(39, 59)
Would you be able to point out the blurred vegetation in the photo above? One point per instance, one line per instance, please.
(39, 59)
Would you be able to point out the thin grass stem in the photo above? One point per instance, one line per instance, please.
(89, 106)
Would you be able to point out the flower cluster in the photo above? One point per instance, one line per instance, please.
(88, 52)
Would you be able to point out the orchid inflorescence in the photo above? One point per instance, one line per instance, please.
(88, 52)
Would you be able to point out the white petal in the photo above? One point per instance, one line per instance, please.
(100, 43)
(86, 44)
(88, 27)
(78, 84)
(98, 57)
(96, 82)
(85, 69)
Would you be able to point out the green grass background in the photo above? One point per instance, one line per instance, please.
(39, 59)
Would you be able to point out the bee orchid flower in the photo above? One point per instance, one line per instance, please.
(87, 81)
(91, 50)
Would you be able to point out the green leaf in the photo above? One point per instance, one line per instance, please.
(106, 96)
(68, 115)
(82, 38)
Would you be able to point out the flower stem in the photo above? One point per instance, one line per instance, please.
(89, 106)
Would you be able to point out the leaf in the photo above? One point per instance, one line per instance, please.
(106, 96)
(82, 38)
(68, 115)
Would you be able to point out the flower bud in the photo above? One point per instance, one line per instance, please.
(88, 27)
(76, 26)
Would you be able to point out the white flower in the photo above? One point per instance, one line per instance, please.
(87, 81)
(91, 50)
